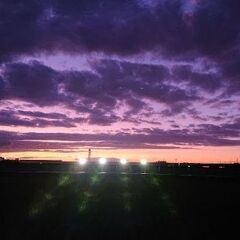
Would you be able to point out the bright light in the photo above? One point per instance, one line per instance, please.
(123, 161)
(143, 162)
(102, 161)
(82, 161)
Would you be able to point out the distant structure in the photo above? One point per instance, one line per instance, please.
(89, 154)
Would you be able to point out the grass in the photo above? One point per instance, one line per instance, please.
(117, 206)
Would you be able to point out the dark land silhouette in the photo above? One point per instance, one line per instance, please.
(58, 200)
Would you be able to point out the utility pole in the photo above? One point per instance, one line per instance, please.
(89, 154)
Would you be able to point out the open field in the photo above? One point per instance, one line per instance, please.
(118, 206)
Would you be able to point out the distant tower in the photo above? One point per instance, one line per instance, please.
(89, 154)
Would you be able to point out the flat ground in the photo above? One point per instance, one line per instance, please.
(118, 206)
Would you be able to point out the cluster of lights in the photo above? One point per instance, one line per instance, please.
(103, 161)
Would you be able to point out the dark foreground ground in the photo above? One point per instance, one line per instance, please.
(118, 206)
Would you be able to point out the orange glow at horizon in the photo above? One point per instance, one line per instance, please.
(199, 155)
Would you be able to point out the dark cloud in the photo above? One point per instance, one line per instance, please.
(176, 109)
(154, 138)
(135, 106)
(4, 143)
(119, 80)
(70, 147)
(90, 86)
(18, 28)
(223, 130)
(2, 87)
(6, 138)
(128, 80)
(175, 31)
(99, 94)
(206, 81)
(9, 118)
(43, 114)
(46, 26)
(31, 82)
(213, 18)
(108, 25)
(102, 118)
(230, 65)
(41, 119)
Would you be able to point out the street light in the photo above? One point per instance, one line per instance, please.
(123, 161)
(82, 161)
(102, 161)
(143, 162)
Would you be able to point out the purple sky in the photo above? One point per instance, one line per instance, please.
(141, 77)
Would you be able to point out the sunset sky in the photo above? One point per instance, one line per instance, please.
(155, 79)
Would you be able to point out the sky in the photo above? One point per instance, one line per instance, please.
(127, 78)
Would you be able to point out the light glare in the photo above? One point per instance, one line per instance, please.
(102, 161)
(143, 162)
(123, 161)
(82, 161)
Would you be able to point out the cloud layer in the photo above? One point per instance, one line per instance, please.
(148, 73)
